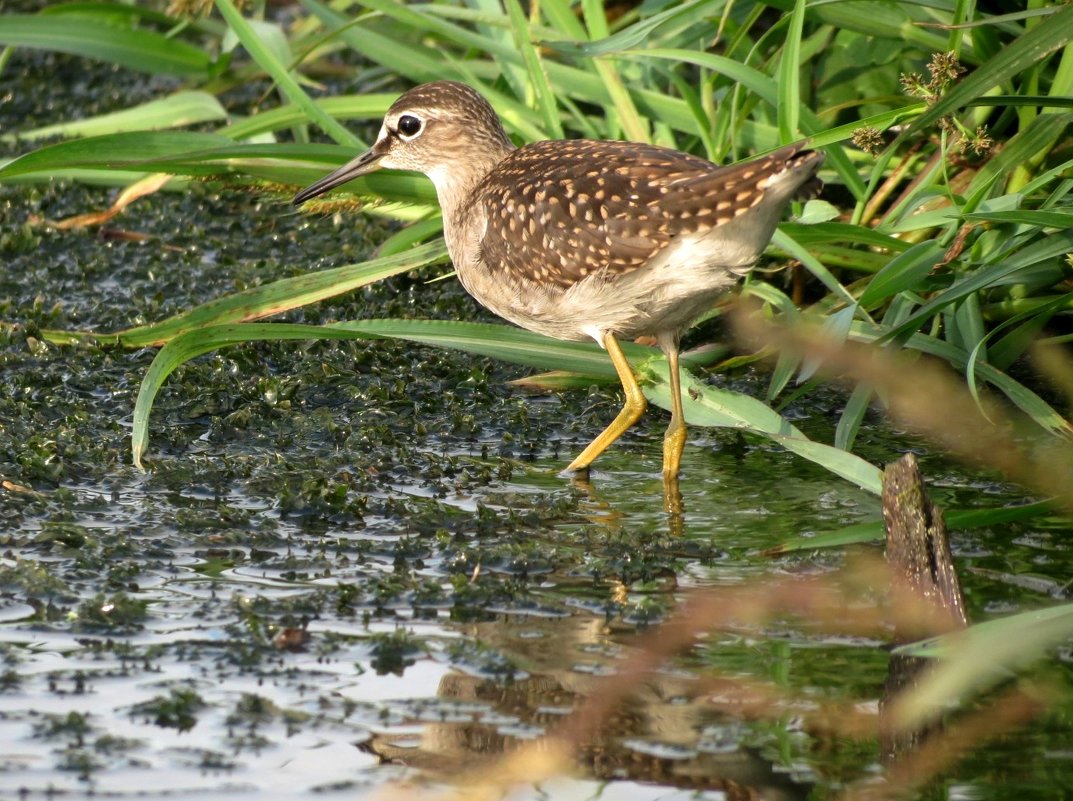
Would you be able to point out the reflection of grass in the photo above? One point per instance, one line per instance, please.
(969, 664)
(393, 652)
(843, 604)
(964, 264)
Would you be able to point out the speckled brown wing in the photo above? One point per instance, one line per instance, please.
(574, 220)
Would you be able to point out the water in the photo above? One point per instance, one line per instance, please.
(338, 571)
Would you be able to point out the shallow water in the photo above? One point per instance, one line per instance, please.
(447, 593)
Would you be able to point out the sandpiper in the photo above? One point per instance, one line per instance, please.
(581, 239)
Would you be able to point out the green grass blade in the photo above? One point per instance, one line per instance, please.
(177, 110)
(763, 86)
(288, 293)
(489, 20)
(1041, 101)
(902, 272)
(785, 242)
(979, 657)
(703, 405)
(766, 88)
(111, 151)
(187, 153)
(268, 61)
(141, 50)
(817, 234)
(785, 366)
(834, 329)
(516, 345)
(410, 60)
(956, 520)
(116, 12)
(1051, 247)
(348, 107)
(634, 126)
(789, 106)
(503, 342)
(849, 422)
(710, 406)
(560, 16)
(1011, 347)
(1042, 219)
(412, 235)
(192, 344)
(640, 32)
(413, 17)
(497, 341)
(1025, 399)
(538, 77)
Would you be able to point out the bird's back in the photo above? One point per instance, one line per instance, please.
(557, 225)
(575, 207)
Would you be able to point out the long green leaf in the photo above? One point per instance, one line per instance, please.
(956, 520)
(789, 108)
(190, 345)
(279, 72)
(704, 405)
(174, 111)
(639, 33)
(538, 78)
(763, 86)
(849, 422)
(110, 13)
(622, 109)
(904, 272)
(980, 657)
(784, 241)
(503, 342)
(188, 153)
(111, 151)
(1053, 246)
(710, 406)
(279, 296)
(816, 234)
(348, 107)
(185, 342)
(1043, 219)
(1025, 399)
(141, 50)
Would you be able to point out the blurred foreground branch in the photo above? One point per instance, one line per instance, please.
(926, 397)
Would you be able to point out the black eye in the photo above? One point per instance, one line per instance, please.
(409, 125)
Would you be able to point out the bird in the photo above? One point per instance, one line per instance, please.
(584, 239)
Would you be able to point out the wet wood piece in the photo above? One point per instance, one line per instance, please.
(918, 553)
(918, 550)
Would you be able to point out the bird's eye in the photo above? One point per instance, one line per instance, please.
(409, 125)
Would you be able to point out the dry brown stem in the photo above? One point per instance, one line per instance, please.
(925, 396)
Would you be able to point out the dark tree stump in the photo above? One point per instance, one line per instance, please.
(918, 553)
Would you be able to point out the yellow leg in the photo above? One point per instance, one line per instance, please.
(674, 441)
(631, 411)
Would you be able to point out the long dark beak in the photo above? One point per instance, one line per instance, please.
(367, 162)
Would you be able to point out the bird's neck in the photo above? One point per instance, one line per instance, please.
(456, 180)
